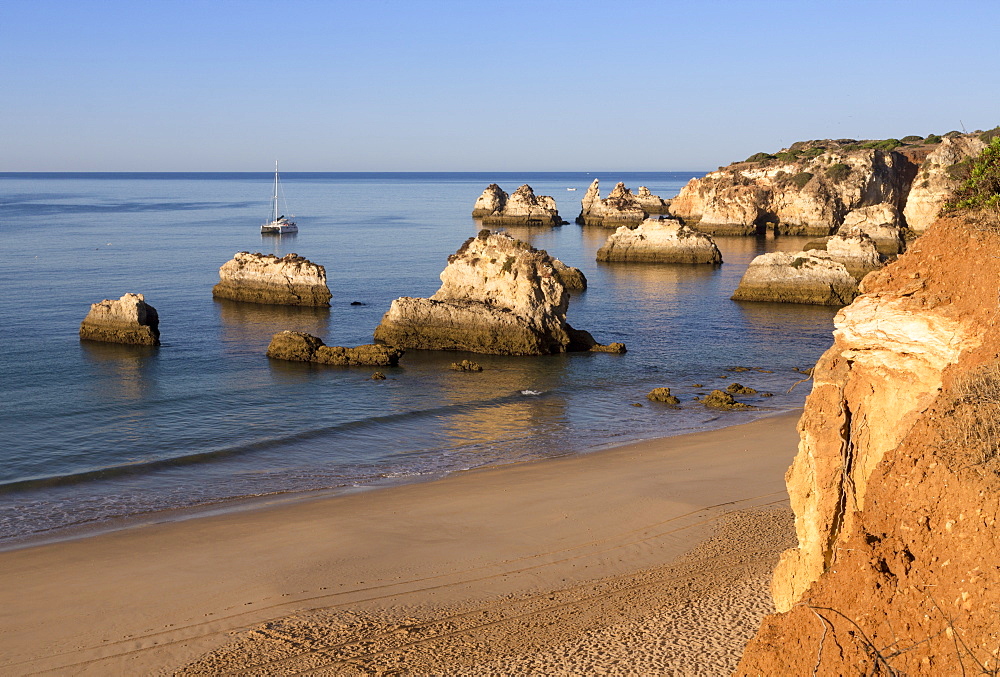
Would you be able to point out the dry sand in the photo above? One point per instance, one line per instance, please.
(647, 559)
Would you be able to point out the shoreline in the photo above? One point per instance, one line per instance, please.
(161, 594)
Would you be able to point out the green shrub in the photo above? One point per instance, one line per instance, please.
(912, 138)
(788, 156)
(838, 172)
(990, 134)
(982, 189)
(759, 157)
(932, 138)
(813, 152)
(887, 144)
(801, 179)
(953, 133)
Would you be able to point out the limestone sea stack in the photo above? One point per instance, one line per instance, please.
(882, 223)
(523, 208)
(652, 204)
(660, 241)
(804, 277)
(128, 320)
(498, 295)
(297, 346)
(264, 278)
(619, 208)
(856, 250)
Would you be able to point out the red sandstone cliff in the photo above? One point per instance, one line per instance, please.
(896, 486)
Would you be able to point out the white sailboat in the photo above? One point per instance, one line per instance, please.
(278, 224)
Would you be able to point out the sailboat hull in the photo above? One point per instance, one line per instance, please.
(278, 228)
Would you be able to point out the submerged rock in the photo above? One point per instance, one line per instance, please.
(662, 395)
(126, 320)
(498, 295)
(660, 241)
(740, 389)
(718, 399)
(299, 346)
(523, 208)
(466, 365)
(264, 278)
(804, 277)
(620, 208)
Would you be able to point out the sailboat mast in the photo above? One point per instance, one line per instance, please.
(274, 216)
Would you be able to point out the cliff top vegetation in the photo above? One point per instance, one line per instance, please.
(981, 190)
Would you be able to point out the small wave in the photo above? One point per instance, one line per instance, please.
(531, 392)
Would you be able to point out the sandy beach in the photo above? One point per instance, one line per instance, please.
(651, 558)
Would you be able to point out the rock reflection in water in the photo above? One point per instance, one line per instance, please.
(248, 327)
(121, 372)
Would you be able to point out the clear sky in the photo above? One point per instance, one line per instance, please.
(376, 85)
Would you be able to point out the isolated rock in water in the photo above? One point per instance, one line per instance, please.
(882, 224)
(740, 389)
(523, 208)
(466, 365)
(939, 176)
(128, 320)
(498, 295)
(492, 200)
(660, 241)
(718, 399)
(652, 204)
(856, 251)
(620, 208)
(297, 346)
(804, 277)
(264, 278)
(662, 395)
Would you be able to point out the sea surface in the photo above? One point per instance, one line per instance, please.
(97, 433)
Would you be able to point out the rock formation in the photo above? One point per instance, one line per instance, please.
(498, 295)
(882, 224)
(897, 475)
(297, 346)
(804, 277)
(660, 241)
(620, 208)
(719, 399)
(523, 208)
(938, 179)
(652, 204)
(856, 251)
(662, 395)
(128, 320)
(812, 187)
(264, 278)
(572, 278)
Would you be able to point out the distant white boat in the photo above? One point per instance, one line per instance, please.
(571, 189)
(278, 225)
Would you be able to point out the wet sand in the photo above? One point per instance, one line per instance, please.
(651, 558)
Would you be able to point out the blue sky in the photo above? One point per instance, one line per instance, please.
(230, 85)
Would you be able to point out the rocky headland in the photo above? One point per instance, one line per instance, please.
(620, 208)
(660, 240)
(126, 320)
(498, 295)
(264, 278)
(297, 346)
(811, 187)
(523, 208)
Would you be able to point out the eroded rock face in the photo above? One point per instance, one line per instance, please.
(936, 181)
(652, 204)
(126, 320)
(619, 208)
(662, 395)
(297, 346)
(804, 277)
(856, 250)
(660, 241)
(264, 278)
(882, 224)
(498, 295)
(523, 208)
(895, 483)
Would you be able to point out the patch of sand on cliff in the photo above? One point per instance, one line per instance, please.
(691, 617)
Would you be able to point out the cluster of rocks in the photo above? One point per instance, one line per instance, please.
(814, 188)
(828, 276)
(297, 346)
(264, 278)
(523, 208)
(126, 320)
(620, 208)
(661, 240)
(498, 295)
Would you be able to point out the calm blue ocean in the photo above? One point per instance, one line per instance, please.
(95, 432)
